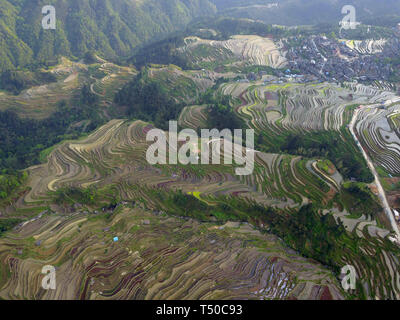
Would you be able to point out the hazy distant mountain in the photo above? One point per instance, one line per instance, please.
(305, 12)
(111, 27)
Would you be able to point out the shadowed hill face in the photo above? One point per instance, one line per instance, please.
(112, 28)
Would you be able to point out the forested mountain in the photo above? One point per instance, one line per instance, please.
(110, 27)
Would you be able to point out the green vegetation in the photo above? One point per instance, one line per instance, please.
(312, 12)
(10, 181)
(165, 51)
(115, 29)
(7, 224)
(91, 196)
(148, 100)
(71, 195)
(358, 199)
(257, 69)
(226, 27)
(112, 28)
(306, 230)
(161, 52)
(24, 139)
(325, 165)
(337, 147)
(220, 113)
(16, 81)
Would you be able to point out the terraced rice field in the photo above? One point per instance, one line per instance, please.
(290, 179)
(156, 257)
(193, 117)
(310, 107)
(277, 109)
(116, 154)
(379, 134)
(183, 86)
(324, 107)
(39, 102)
(367, 46)
(93, 266)
(252, 49)
(114, 79)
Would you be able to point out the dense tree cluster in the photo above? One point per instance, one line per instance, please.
(221, 115)
(71, 195)
(147, 100)
(16, 81)
(7, 224)
(161, 52)
(337, 147)
(358, 199)
(10, 180)
(22, 140)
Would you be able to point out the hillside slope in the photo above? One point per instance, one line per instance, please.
(112, 28)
